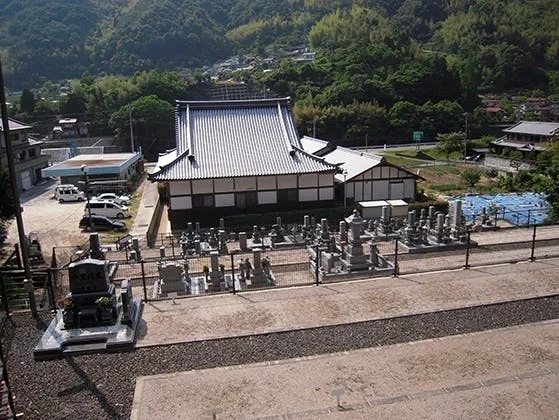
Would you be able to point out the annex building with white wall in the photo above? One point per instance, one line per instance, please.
(240, 157)
(364, 176)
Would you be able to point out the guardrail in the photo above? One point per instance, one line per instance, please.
(393, 146)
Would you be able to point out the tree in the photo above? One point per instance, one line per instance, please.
(153, 123)
(448, 143)
(471, 176)
(27, 101)
(547, 179)
(7, 203)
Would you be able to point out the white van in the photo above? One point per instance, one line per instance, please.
(107, 209)
(68, 192)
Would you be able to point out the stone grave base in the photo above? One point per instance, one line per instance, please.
(435, 247)
(58, 342)
(337, 274)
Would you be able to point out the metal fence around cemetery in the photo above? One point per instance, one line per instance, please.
(290, 267)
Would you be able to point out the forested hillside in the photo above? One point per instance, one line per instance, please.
(491, 44)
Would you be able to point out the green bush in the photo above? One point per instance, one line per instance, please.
(440, 206)
(445, 187)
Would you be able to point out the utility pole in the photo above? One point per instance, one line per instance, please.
(131, 130)
(465, 135)
(13, 181)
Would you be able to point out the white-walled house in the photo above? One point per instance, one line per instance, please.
(240, 157)
(364, 176)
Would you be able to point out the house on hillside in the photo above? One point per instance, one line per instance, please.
(527, 137)
(28, 161)
(69, 127)
(364, 176)
(240, 157)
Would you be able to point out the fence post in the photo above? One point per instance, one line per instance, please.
(4, 296)
(144, 280)
(532, 257)
(396, 272)
(30, 289)
(233, 272)
(316, 260)
(51, 289)
(467, 263)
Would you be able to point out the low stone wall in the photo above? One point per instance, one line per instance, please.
(153, 228)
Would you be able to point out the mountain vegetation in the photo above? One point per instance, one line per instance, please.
(382, 68)
(488, 44)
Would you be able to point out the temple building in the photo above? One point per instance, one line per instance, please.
(240, 157)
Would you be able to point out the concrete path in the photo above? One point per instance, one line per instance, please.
(511, 373)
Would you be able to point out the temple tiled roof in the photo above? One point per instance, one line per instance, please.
(235, 139)
(14, 125)
(353, 162)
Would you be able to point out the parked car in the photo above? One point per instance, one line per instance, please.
(101, 223)
(68, 192)
(106, 208)
(122, 200)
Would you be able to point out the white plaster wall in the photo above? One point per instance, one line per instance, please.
(377, 173)
(385, 172)
(267, 197)
(325, 180)
(266, 183)
(202, 186)
(179, 188)
(380, 190)
(245, 184)
(326, 193)
(367, 191)
(225, 200)
(358, 191)
(308, 195)
(349, 190)
(396, 190)
(223, 185)
(308, 180)
(409, 188)
(181, 203)
(287, 181)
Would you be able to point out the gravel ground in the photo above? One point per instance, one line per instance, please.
(101, 386)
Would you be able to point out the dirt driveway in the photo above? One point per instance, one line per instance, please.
(57, 223)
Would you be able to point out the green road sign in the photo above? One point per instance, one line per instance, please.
(417, 136)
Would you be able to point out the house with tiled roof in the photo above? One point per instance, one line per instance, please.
(240, 157)
(527, 137)
(364, 176)
(28, 161)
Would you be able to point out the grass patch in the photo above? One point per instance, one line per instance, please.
(446, 187)
(112, 236)
(441, 170)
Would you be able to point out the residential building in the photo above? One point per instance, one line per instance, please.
(28, 161)
(527, 137)
(240, 157)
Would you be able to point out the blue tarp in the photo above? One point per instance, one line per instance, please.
(519, 209)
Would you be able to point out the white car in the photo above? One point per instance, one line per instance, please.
(122, 200)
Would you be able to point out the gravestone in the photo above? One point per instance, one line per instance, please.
(89, 286)
(171, 279)
(216, 275)
(243, 241)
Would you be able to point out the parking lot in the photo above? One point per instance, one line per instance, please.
(57, 223)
